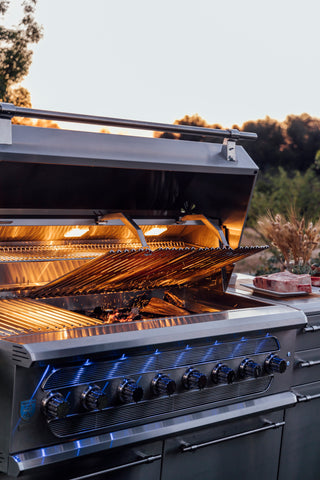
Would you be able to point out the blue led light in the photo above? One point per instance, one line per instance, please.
(148, 364)
(87, 362)
(78, 448)
(105, 386)
(123, 357)
(34, 393)
(40, 382)
(157, 352)
(67, 396)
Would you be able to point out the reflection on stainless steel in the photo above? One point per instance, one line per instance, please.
(19, 316)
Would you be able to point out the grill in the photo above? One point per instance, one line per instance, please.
(121, 349)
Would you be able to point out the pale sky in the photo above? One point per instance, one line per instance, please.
(229, 61)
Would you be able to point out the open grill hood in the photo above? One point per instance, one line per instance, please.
(114, 189)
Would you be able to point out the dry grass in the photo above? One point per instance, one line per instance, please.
(294, 238)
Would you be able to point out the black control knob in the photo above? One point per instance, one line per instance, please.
(193, 378)
(223, 374)
(129, 391)
(249, 368)
(163, 385)
(273, 363)
(55, 406)
(93, 398)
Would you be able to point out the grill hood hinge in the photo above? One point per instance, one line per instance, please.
(210, 224)
(128, 222)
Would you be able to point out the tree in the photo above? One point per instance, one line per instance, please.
(194, 120)
(302, 140)
(266, 151)
(15, 53)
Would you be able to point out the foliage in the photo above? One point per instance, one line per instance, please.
(194, 120)
(15, 54)
(270, 265)
(279, 190)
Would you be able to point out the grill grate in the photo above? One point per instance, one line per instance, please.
(143, 268)
(18, 316)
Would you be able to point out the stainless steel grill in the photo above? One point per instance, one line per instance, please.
(121, 350)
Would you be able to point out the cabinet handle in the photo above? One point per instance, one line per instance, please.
(311, 328)
(184, 447)
(307, 364)
(141, 461)
(307, 398)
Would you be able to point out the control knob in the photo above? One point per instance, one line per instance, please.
(55, 406)
(249, 368)
(273, 363)
(163, 385)
(93, 398)
(223, 374)
(193, 378)
(129, 391)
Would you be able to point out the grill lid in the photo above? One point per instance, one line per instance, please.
(54, 173)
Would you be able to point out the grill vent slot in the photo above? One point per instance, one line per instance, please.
(19, 354)
(121, 416)
(96, 372)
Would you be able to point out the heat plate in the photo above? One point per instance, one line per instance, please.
(135, 269)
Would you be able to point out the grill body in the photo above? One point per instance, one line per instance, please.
(122, 354)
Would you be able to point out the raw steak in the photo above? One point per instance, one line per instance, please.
(284, 282)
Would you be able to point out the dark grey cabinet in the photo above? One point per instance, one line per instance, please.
(247, 449)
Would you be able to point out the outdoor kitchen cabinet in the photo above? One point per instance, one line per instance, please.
(227, 451)
(300, 453)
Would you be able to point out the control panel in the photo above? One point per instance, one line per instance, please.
(132, 387)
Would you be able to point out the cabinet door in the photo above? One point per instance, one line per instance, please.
(300, 452)
(142, 461)
(245, 450)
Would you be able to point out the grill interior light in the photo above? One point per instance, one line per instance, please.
(155, 231)
(76, 232)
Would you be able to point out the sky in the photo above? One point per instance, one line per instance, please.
(229, 61)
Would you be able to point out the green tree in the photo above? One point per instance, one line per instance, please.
(280, 190)
(302, 141)
(266, 150)
(15, 52)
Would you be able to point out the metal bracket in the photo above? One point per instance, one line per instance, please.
(6, 113)
(128, 222)
(5, 131)
(208, 223)
(228, 149)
